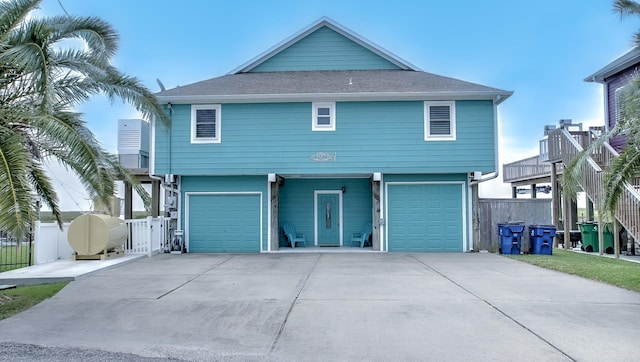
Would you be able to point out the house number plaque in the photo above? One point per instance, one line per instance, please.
(323, 156)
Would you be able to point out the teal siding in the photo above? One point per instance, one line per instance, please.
(297, 202)
(162, 154)
(226, 184)
(370, 137)
(324, 49)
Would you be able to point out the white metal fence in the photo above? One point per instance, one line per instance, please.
(144, 236)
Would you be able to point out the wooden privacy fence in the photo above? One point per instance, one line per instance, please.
(495, 211)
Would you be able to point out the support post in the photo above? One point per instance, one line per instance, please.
(155, 198)
(514, 192)
(600, 234)
(128, 201)
(590, 213)
(574, 215)
(275, 226)
(534, 192)
(566, 205)
(616, 239)
(149, 235)
(475, 216)
(375, 216)
(555, 211)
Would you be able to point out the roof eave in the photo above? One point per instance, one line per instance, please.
(623, 62)
(497, 96)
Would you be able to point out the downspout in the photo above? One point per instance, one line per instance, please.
(471, 240)
(496, 173)
(152, 175)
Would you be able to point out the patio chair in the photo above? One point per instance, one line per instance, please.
(362, 237)
(293, 236)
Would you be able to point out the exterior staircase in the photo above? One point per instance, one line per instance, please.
(560, 147)
(564, 145)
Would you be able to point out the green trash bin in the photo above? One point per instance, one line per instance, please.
(589, 233)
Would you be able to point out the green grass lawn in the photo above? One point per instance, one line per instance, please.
(14, 301)
(11, 258)
(621, 273)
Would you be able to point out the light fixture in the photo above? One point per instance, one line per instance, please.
(344, 189)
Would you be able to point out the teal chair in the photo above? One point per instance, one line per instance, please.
(293, 236)
(362, 237)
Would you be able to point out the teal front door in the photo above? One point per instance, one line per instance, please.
(328, 219)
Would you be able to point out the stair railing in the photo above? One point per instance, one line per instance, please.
(592, 182)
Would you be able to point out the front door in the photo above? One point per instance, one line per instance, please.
(328, 218)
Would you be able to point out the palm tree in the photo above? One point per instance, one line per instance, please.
(41, 81)
(626, 167)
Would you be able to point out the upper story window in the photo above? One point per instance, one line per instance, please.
(205, 123)
(440, 121)
(324, 116)
(618, 97)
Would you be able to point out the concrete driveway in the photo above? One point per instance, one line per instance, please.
(337, 307)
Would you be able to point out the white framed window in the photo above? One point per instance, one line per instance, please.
(206, 120)
(440, 121)
(324, 116)
(618, 96)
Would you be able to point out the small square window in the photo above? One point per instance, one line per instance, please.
(324, 116)
(439, 121)
(205, 123)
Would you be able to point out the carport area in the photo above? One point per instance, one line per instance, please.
(335, 306)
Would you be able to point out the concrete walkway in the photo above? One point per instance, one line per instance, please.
(63, 270)
(337, 307)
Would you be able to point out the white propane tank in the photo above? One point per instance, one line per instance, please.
(91, 234)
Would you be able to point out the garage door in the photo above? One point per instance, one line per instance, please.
(224, 223)
(425, 217)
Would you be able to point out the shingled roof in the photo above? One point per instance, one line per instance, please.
(334, 85)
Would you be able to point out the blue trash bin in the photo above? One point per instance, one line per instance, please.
(541, 239)
(510, 237)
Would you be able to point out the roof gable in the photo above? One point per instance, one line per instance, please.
(324, 45)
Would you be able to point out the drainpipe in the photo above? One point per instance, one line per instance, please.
(495, 174)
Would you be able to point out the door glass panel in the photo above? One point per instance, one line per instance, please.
(328, 215)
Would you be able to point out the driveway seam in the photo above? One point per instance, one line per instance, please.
(495, 308)
(286, 317)
(192, 279)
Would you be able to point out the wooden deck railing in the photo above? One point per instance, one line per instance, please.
(527, 169)
(569, 144)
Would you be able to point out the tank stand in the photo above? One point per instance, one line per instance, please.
(104, 255)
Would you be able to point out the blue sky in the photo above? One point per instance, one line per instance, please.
(542, 50)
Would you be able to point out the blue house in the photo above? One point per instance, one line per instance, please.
(327, 131)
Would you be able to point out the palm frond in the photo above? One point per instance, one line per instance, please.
(41, 183)
(65, 136)
(99, 36)
(628, 8)
(619, 173)
(12, 13)
(41, 80)
(16, 207)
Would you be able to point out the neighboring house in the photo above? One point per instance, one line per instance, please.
(614, 76)
(327, 131)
